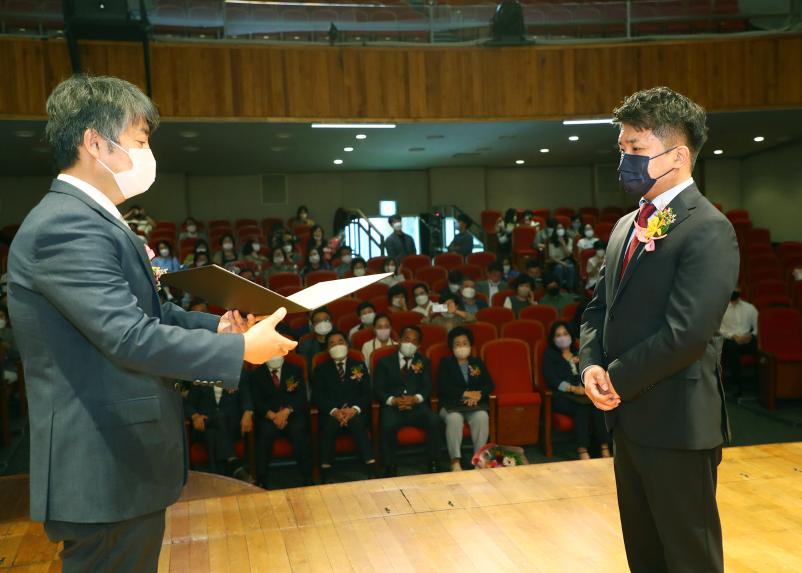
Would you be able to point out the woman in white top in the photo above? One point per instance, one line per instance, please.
(594, 264)
(560, 256)
(390, 266)
(381, 326)
(586, 242)
(423, 304)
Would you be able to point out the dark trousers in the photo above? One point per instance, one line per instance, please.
(420, 416)
(357, 427)
(731, 356)
(588, 420)
(130, 546)
(220, 436)
(667, 501)
(296, 431)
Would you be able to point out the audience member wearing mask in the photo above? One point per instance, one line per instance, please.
(533, 270)
(314, 262)
(191, 230)
(142, 223)
(342, 392)
(227, 253)
(397, 299)
(320, 325)
(556, 298)
(543, 236)
(252, 252)
(523, 296)
(367, 315)
(384, 337)
(301, 218)
(464, 387)
(463, 242)
(510, 273)
(588, 238)
(403, 385)
(317, 240)
(281, 264)
(594, 264)
(164, 257)
(739, 329)
(560, 258)
(399, 244)
(280, 405)
(528, 219)
(453, 317)
(455, 279)
(576, 227)
(346, 258)
(359, 267)
(561, 371)
(11, 355)
(391, 266)
(423, 303)
(201, 248)
(494, 283)
(504, 228)
(470, 302)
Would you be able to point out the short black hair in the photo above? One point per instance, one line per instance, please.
(459, 331)
(358, 260)
(381, 315)
(363, 305)
(532, 263)
(456, 277)
(524, 279)
(413, 327)
(393, 218)
(317, 311)
(668, 114)
(396, 290)
(447, 296)
(424, 286)
(599, 244)
(463, 218)
(335, 333)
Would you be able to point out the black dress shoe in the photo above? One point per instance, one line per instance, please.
(434, 467)
(325, 475)
(391, 471)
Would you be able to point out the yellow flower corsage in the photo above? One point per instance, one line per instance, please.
(656, 229)
(357, 373)
(474, 371)
(292, 384)
(417, 367)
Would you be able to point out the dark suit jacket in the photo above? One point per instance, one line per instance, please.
(656, 329)
(484, 288)
(388, 379)
(290, 393)
(101, 354)
(399, 246)
(329, 393)
(556, 369)
(462, 243)
(233, 403)
(451, 383)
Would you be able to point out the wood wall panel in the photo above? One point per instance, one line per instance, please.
(286, 83)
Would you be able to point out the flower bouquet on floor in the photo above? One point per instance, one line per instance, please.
(496, 456)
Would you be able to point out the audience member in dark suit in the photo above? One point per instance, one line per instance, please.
(398, 243)
(320, 324)
(221, 417)
(561, 371)
(403, 384)
(342, 393)
(493, 284)
(463, 242)
(280, 407)
(464, 385)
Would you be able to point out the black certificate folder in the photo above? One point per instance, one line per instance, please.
(228, 290)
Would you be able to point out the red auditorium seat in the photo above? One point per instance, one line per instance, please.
(342, 307)
(738, 215)
(405, 318)
(473, 272)
(483, 332)
(594, 211)
(430, 275)
(414, 262)
(361, 337)
(530, 331)
(789, 248)
(448, 260)
(501, 296)
(346, 322)
(496, 315)
(780, 344)
(604, 229)
(542, 213)
(768, 286)
(760, 236)
(542, 313)
(372, 291)
(380, 303)
(320, 276)
(376, 264)
(764, 301)
(488, 221)
(568, 311)
(482, 259)
(564, 212)
(523, 241)
(560, 422)
(280, 280)
(432, 334)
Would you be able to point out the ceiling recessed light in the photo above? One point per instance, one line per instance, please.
(24, 133)
(759, 138)
(573, 138)
(718, 151)
(544, 150)
(188, 134)
(338, 162)
(519, 161)
(353, 125)
(587, 121)
(277, 148)
(348, 149)
(361, 136)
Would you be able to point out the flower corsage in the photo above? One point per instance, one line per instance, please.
(656, 229)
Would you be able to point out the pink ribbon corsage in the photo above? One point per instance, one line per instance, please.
(656, 229)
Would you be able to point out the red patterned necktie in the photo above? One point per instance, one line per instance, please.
(276, 381)
(341, 371)
(646, 211)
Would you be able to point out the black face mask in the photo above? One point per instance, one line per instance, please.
(735, 296)
(633, 173)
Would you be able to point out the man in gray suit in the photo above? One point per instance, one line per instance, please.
(100, 351)
(650, 342)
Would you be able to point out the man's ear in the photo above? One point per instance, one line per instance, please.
(92, 142)
(683, 156)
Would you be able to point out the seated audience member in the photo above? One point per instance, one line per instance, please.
(561, 371)
(221, 417)
(252, 251)
(423, 304)
(455, 315)
(560, 258)
(346, 258)
(464, 386)
(280, 405)
(576, 227)
(588, 238)
(399, 244)
(317, 241)
(248, 273)
(554, 297)
(10, 354)
(528, 219)
(523, 296)
(509, 272)
(594, 264)
(314, 262)
(165, 258)
(391, 266)
(533, 270)
(359, 267)
(191, 231)
(403, 384)
(320, 325)
(281, 264)
(455, 279)
(470, 302)
(397, 297)
(142, 223)
(367, 314)
(384, 337)
(504, 228)
(201, 249)
(739, 329)
(463, 242)
(494, 283)
(227, 253)
(301, 218)
(543, 236)
(342, 392)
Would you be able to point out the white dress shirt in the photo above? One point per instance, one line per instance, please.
(739, 319)
(94, 193)
(402, 362)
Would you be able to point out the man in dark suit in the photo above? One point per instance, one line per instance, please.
(320, 325)
(493, 284)
(342, 393)
(280, 404)
(463, 242)
(403, 385)
(650, 343)
(220, 417)
(101, 353)
(398, 243)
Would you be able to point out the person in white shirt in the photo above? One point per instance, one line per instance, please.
(384, 337)
(588, 238)
(367, 314)
(423, 303)
(739, 329)
(594, 264)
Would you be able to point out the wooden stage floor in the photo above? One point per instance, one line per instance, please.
(547, 517)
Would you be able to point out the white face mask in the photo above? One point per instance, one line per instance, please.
(287, 248)
(468, 292)
(397, 226)
(346, 260)
(140, 177)
(506, 269)
(562, 342)
(192, 228)
(560, 232)
(589, 233)
(462, 352)
(398, 301)
(383, 334)
(278, 260)
(338, 352)
(408, 349)
(164, 252)
(422, 299)
(390, 269)
(275, 363)
(314, 259)
(228, 246)
(359, 272)
(256, 247)
(368, 318)
(453, 287)
(323, 328)
(600, 253)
